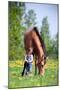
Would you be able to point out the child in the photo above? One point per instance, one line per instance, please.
(28, 62)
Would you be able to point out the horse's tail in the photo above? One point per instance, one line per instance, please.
(41, 40)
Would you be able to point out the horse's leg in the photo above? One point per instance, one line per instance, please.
(38, 64)
(35, 65)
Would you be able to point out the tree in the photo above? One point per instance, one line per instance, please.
(55, 45)
(16, 11)
(30, 18)
(45, 33)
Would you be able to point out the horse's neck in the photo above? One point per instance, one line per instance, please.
(37, 44)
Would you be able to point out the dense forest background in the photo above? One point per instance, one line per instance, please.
(18, 22)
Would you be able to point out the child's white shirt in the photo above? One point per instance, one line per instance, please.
(30, 58)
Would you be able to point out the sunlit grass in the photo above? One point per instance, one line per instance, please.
(16, 80)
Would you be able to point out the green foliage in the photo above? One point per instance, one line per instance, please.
(16, 11)
(55, 46)
(30, 18)
(45, 33)
(51, 44)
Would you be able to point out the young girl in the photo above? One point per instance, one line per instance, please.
(28, 62)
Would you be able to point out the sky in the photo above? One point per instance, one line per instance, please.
(42, 10)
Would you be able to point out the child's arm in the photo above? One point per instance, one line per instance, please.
(26, 59)
(32, 58)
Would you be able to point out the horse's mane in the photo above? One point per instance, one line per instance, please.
(41, 40)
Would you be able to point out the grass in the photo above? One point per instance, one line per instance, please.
(50, 77)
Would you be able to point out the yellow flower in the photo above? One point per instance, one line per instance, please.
(12, 64)
(19, 62)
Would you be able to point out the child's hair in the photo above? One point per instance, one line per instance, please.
(30, 50)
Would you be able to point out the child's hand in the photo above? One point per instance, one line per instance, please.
(26, 60)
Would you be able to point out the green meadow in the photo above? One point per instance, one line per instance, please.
(50, 77)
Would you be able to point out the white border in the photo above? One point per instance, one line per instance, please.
(4, 43)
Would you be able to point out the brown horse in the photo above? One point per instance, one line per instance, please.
(33, 40)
